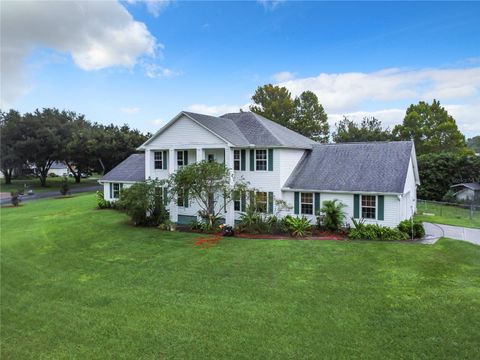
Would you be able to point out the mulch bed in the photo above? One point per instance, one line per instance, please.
(286, 237)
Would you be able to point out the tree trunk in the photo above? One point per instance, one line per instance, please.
(43, 179)
(7, 174)
(76, 174)
(101, 164)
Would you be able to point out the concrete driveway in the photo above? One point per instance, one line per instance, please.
(436, 231)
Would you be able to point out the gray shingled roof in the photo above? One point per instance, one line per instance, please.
(130, 169)
(471, 186)
(364, 167)
(247, 128)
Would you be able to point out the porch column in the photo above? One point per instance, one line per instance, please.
(199, 154)
(173, 208)
(230, 211)
(148, 170)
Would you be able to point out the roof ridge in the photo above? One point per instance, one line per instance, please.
(260, 121)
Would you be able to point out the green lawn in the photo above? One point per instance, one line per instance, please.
(53, 183)
(81, 283)
(449, 215)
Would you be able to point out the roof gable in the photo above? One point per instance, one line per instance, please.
(363, 167)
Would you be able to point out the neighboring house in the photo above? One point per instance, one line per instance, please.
(467, 192)
(376, 181)
(59, 168)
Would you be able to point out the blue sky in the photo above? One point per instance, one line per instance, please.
(141, 63)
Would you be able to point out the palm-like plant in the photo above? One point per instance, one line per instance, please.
(334, 214)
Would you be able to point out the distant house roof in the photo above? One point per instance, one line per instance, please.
(362, 167)
(58, 165)
(472, 186)
(245, 129)
(130, 169)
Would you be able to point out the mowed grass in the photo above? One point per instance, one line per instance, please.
(448, 215)
(82, 283)
(53, 184)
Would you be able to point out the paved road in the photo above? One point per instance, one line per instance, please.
(436, 231)
(50, 194)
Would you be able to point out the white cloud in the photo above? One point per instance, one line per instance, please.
(130, 110)
(216, 109)
(467, 117)
(270, 4)
(283, 76)
(157, 71)
(154, 7)
(158, 122)
(96, 34)
(346, 92)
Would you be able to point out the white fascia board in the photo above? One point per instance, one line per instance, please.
(342, 192)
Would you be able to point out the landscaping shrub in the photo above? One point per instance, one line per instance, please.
(101, 202)
(15, 200)
(298, 226)
(333, 215)
(375, 232)
(64, 186)
(418, 229)
(253, 222)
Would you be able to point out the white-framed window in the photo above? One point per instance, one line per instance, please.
(261, 160)
(369, 206)
(237, 202)
(306, 203)
(180, 158)
(158, 159)
(116, 187)
(236, 159)
(261, 201)
(181, 199)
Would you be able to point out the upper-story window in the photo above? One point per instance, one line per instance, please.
(158, 159)
(261, 159)
(236, 159)
(306, 203)
(369, 206)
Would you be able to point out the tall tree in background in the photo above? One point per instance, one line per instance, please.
(9, 135)
(431, 128)
(370, 129)
(275, 103)
(80, 147)
(43, 140)
(310, 118)
(303, 114)
(474, 143)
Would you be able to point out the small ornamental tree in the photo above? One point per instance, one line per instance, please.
(334, 214)
(210, 184)
(64, 186)
(144, 203)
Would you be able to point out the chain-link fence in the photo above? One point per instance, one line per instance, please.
(448, 210)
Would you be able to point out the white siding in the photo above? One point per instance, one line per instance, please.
(106, 190)
(184, 131)
(289, 158)
(409, 198)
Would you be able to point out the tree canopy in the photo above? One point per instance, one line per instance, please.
(303, 114)
(431, 128)
(370, 129)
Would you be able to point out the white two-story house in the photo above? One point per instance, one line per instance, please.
(376, 181)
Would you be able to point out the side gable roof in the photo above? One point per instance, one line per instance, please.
(130, 169)
(245, 129)
(364, 167)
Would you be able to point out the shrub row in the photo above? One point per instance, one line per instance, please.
(383, 233)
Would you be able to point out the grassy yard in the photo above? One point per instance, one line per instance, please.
(449, 215)
(53, 183)
(82, 283)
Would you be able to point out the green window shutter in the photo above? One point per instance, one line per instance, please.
(165, 159)
(185, 157)
(381, 207)
(242, 159)
(270, 202)
(317, 203)
(185, 199)
(252, 160)
(356, 206)
(243, 201)
(296, 203)
(165, 196)
(270, 159)
(111, 190)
